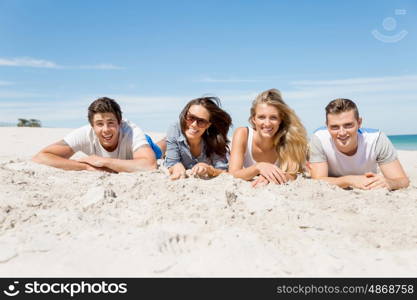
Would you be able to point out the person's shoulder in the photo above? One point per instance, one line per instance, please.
(382, 139)
(175, 125)
(321, 131)
(369, 131)
(240, 136)
(128, 125)
(174, 129)
(241, 132)
(80, 137)
(86, 127)
(320, 135)
(371, 135)
(83, 130)
(318, 140)
(174, 133)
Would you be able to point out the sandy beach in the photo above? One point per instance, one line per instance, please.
(82, 224)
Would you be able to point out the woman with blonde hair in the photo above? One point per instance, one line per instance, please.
(275, 146)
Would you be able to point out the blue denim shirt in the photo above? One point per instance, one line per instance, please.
(178, 150)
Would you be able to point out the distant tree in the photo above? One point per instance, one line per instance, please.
(34, 123)
(23, 123)
(29, 123)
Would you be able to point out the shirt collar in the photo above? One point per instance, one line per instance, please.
(183, 139)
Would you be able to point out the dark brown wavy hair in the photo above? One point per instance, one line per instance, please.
(215, 136)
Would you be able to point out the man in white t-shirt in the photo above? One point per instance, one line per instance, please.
(344, 154)
(110, 143)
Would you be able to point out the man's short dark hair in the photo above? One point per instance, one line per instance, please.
(340, 105)
(104, 105)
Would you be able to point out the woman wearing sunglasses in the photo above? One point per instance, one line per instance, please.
(199, 140)
(273, 147)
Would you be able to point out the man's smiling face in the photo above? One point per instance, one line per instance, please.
(107, 128)
(343, 128)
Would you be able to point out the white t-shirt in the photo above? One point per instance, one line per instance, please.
(373, 148)
(84, 139)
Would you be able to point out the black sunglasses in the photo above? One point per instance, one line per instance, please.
(200, 122)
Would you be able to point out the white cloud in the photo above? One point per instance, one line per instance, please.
(41, 63)
(19, 94)
(27, 62)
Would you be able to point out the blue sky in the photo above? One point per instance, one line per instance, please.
(154, 56)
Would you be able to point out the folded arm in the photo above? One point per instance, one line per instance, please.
(320, 170)
(204, 169)
(143, 159)
(269, 171)
(57, 155)
(393, 177)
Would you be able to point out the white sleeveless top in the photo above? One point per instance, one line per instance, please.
(248, 158)
(364, 160)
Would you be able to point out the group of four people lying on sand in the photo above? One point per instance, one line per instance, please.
(273, 149)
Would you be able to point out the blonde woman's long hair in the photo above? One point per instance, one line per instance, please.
(291, 138)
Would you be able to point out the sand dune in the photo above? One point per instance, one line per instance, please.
(64, 223)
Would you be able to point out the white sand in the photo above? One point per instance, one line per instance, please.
(65, 223)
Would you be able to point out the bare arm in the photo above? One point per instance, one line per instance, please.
(213, 172)
(143, 159)
(177, 171)
(320, 171)
(202, 169)
(57, 155)
(239, 142)
(270, 171)
(393, 178)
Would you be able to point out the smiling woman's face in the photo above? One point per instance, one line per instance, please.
(197, 121)
(266, 120)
